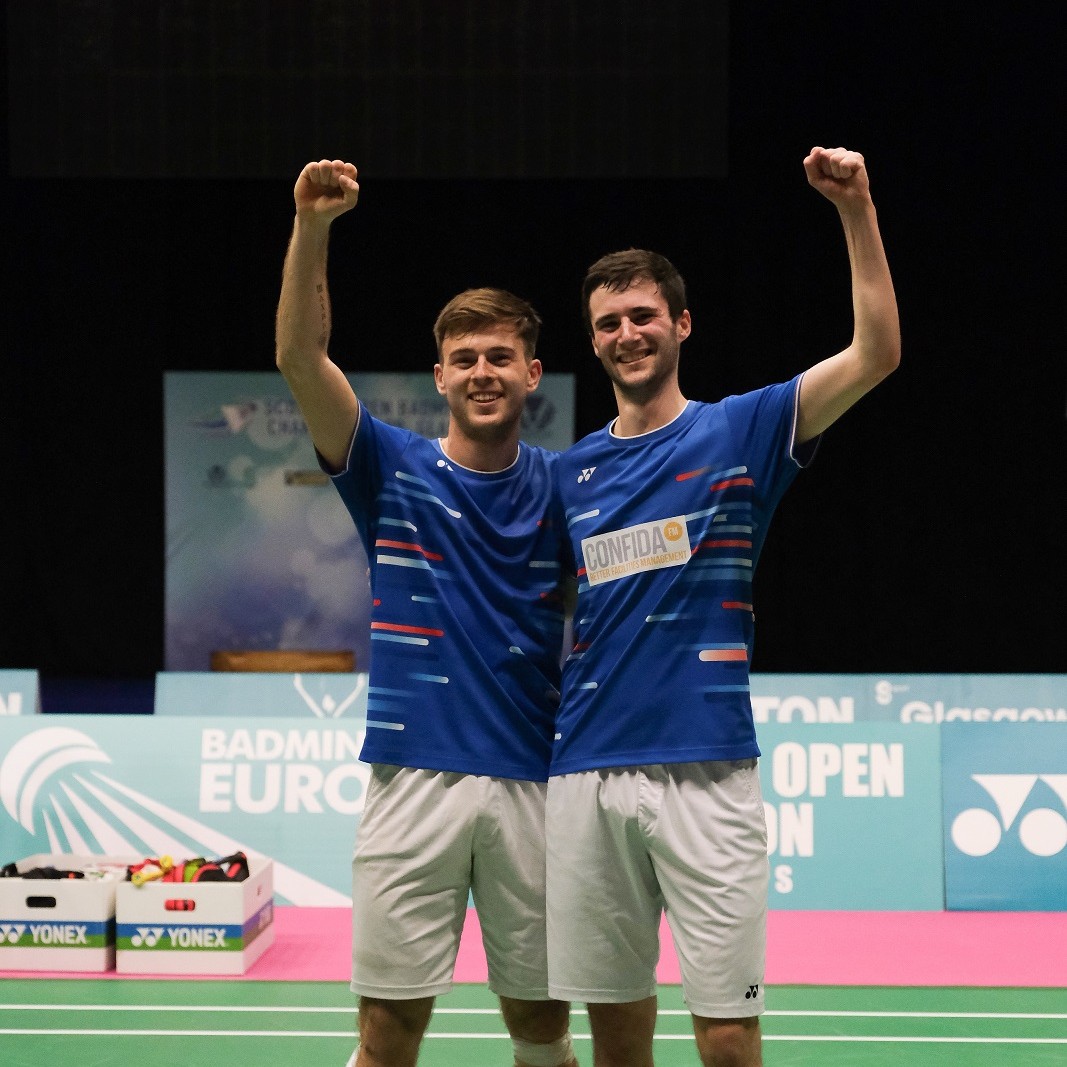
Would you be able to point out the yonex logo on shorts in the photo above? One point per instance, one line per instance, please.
(647, 547)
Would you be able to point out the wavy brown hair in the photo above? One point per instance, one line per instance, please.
(479, 309)
(619, 270)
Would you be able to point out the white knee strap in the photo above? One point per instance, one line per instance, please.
(554, 1054)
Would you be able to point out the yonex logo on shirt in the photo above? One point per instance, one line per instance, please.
(647, 547)
(587, 473)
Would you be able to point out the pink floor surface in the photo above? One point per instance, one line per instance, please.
(1025, 949)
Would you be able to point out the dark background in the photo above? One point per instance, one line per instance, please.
(928, 536)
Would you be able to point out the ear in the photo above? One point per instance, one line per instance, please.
(684, 326)
(439, 378)
(533, 374)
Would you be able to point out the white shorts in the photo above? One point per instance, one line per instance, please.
(626, 844)
(427, 840)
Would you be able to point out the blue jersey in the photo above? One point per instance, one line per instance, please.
(666, 529)
(467, 620)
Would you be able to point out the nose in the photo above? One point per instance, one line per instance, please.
(483, 368)
(627, 331)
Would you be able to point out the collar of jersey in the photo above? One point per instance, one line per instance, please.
(648, 433)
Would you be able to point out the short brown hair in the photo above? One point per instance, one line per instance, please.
(479, 309)
(619, 270)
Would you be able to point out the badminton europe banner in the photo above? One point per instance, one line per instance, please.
(260, 551)
(128, 785)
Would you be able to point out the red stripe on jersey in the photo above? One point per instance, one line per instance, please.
(691, 474)
(407, 629)
(407, 545)
(722, 655)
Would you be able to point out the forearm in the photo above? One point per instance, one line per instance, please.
(302, 337)
(302, 327)
(876, 329)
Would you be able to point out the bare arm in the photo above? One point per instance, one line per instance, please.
(831, 387)
(323, 191)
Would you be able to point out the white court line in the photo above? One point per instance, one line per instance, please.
(854, 1039)
(879, 1040)
(197, 1008)
(311, 1009)
(917, 1014)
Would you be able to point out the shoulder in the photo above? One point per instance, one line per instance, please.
(536, 456)
(591, 443)
(373, 432)
(767, 401)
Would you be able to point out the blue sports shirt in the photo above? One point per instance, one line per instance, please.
(467, 619)
(666, 529)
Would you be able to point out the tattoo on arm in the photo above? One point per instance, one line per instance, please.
(325, 313)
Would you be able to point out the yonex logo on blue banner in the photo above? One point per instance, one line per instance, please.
(1042, 831)
(196, 937)
(11, 933)
(146, 936)
(58, 934)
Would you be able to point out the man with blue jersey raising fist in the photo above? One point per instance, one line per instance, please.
(466, 629)
(654, 798)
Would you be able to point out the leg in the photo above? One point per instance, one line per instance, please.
(712, 863)
(390, 1031)
(728, 1042)
(622, 1033)
(409, 897)
(539, 1022)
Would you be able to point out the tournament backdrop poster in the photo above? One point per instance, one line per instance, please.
(260, 552)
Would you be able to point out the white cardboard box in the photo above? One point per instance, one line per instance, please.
(222, 927)
(58, 924)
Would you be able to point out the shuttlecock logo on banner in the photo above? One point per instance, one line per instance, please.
(52, 783)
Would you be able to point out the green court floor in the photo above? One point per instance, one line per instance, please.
(104, 1022)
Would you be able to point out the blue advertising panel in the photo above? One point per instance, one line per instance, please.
(260, 551)
(1005, 813)
(326, 696)
(853, 816)
(916, 699)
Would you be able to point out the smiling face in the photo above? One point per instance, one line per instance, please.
(485, 378)
(635, 338)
